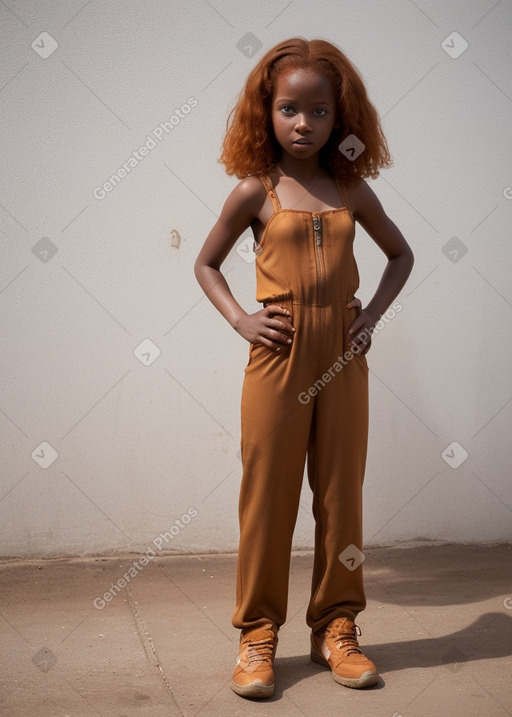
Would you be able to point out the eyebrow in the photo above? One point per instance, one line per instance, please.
(315, 102)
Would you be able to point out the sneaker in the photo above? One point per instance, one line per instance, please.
(253, 675)
(338, 649)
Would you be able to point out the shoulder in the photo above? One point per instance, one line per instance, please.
(361, 198)
(250, 190)
(246, 198)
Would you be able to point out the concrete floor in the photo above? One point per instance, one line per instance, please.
(438, 625)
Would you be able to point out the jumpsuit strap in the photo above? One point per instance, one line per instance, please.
(343, 193)
(267, 182)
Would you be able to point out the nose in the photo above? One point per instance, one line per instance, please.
(301, 124)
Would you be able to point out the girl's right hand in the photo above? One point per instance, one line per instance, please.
(270, 326)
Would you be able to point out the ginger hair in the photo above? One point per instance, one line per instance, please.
(249, 145)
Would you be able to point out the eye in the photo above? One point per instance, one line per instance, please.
(286, 109)
(321, 112)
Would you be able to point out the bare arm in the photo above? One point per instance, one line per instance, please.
(370, 214)
(241, 208)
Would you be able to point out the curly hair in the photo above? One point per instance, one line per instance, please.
(250, 147)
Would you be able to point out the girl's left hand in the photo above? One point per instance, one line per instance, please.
(360, 329)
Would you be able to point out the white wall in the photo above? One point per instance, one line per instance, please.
(139, 445)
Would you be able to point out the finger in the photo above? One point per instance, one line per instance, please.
(361, 342)
(365, 342)
(356, 325)
(354, 303)
(281, 325)
(273, 345)
(275, 309)
(278, 337)
(367, 348)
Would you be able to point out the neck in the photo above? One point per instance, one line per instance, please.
(303, 170)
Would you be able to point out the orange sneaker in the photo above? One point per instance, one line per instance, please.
(338, 649)
(253, 675)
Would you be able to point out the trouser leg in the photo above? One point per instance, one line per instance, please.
(275, 433)
(336, 464)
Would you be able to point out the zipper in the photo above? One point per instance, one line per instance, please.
(318, 239)
(317, 226)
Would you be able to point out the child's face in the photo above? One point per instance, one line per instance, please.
(303, 111)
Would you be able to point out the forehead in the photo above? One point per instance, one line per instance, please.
(303, 83)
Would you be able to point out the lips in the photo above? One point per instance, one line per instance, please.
(302, 141)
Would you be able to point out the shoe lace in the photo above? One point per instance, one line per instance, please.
(260, 650)
(347, 641)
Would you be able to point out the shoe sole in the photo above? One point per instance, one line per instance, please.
(256, 691)
(367, 679)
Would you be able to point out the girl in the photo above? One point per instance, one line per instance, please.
(302, 138)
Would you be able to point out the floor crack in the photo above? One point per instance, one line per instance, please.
(148, 645)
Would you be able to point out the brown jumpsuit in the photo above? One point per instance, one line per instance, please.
(310, 398)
